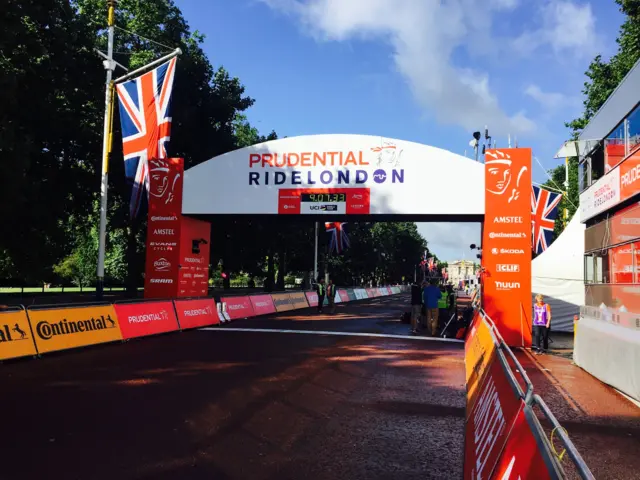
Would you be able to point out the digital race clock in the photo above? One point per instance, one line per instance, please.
(323, 201)
(339, 197)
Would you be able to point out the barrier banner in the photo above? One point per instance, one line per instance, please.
(196, 313)
(490, 421)
(312, 298)
(344, 296)
(262, 304)
(15, 335)
(282, 302)
(298, 300)
(526, 454)
(506, 243)
(336, 297)
(371, 293)
(479, 353)
(64, 328)
(146, 318)
(351, 295)
(364, 293)
(237, 307)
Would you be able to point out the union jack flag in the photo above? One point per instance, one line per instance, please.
(544, 210)
(339, 239)
(431, 264)
(146, 126)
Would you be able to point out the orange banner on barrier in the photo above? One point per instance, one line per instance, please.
(506, 243)
(478, 355)
(298, 300)
(282, 302)
(61, 329)
(15, 336)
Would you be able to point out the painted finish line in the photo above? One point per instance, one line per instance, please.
(342, 334)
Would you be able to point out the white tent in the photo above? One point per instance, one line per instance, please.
(558, 274)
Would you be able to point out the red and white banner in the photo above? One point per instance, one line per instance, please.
(312, 298)
(490, 421)
(238, 307)
(371, 292)
(506, 243)
(262, 304)
(163, 228)
(196, 313)
(344, 296)
(526, 454)
(146, 318)
(194, 258)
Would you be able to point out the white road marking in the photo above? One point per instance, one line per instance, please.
(323, 332)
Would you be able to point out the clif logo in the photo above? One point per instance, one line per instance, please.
(507, 268)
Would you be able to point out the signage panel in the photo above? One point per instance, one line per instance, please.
(237, 307)
(282, 302)
(262, 304)
(15, 335)
(193, 274)
(61, 329)
(351, 293)
(630, 176)
(163, 228)
(344, 295)
(506, 258)
(312, 298)
(146, 318)
(298, 300)
(196, 313)
(600, 196)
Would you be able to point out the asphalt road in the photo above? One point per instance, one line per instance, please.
(242, 405)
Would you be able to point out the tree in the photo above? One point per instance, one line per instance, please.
(605, 76)
(570, 201)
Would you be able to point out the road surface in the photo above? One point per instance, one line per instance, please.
(220, 404)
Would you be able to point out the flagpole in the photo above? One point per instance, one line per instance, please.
(109, 66)
(315, 257)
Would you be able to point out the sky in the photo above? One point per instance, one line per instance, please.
(428, 71)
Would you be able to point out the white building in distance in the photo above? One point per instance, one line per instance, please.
(462, 270)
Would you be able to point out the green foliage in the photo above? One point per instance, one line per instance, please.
(605, 76)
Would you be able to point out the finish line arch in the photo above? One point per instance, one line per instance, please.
(350, 177)
(360, 174)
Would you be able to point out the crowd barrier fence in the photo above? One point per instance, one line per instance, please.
(503, 437)
(40, 329)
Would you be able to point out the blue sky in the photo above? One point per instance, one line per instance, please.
(429, 71)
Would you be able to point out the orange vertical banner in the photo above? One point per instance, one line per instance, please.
(506, 243)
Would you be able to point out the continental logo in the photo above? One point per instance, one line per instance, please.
(13, 333)
(281, 302)
(46, 330)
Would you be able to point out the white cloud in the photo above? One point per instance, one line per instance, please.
(450, 241)
(424, 35)
(551, 101)
(568, 28)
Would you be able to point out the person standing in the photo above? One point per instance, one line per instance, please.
(416, 307)
(331, 296)
(320, 290)
(431, 296)
(451, 300)
(541, 325)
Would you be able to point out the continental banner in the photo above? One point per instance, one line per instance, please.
(506, 243)
(64, 328)
(298, 300)
(282, 302)
(15, 335)
(146, 318)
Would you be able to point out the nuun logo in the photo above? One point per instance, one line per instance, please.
(507, 285)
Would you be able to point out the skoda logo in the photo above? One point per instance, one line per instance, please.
(379, 176)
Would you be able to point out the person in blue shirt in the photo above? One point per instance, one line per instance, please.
(431, 294)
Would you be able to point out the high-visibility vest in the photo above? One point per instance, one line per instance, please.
(320, 289)
(442, 302)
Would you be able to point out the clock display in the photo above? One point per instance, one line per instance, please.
(324, 197)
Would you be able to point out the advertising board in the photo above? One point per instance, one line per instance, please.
(262, 304)
(15, 335)
(351, 293)
(344, 295)
(282, 302)
(371, 292)
(334, 173)
(298, 300)
(600, 196)
(193, 275)
(146, 318)
(196, 313)
(237, 307)
(163, 228)
(630, 176)
(489, 421)
(506, 243)
(312, 298)
(61, 329)
(526, 453)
